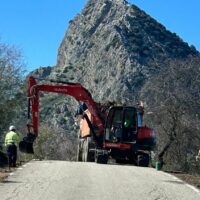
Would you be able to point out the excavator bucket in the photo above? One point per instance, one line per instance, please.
(26, 145)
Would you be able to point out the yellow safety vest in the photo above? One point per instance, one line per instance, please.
(11, 137)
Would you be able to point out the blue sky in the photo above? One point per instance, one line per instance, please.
(37, 27)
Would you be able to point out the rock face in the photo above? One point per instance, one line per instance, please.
(42, 72)
(111, 48)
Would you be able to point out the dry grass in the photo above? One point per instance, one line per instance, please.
(188, 178)
(4, 172)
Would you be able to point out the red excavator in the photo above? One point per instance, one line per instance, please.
(106, 130)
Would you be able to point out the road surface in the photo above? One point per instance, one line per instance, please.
(60, 180)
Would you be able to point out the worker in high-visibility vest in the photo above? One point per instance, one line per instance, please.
(11, 143)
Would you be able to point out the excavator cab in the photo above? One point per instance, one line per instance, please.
(121, 124)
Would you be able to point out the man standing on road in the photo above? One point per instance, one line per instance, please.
(11, 143)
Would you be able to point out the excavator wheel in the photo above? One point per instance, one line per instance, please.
(79, 152)
(101, 159)
(143, 160)
(87, 155)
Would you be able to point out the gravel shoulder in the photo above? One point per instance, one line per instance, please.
(4, 173)
(188, 178)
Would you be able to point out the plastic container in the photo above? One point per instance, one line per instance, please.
(158, 165)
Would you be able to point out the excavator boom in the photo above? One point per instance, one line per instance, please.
(106, 130)
(75, 90)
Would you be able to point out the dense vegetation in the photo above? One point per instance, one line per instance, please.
(173, 103)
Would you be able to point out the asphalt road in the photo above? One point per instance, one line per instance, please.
(60, 180)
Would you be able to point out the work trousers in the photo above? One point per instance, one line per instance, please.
(12, 155)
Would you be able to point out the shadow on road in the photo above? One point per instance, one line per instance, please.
(176, 182)
(9, 181)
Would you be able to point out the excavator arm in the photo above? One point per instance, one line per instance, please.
(75, 90)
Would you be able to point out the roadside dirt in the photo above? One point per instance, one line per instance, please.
(4, 172)
(190, 179)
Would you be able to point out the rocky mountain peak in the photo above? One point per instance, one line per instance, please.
(113, 44)
(124, 2)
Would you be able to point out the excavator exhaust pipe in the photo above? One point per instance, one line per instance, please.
(26, 145)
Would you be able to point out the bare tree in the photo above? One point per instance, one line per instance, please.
(11, 79)
(173, 96)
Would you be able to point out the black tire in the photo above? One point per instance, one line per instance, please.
(79, 153)
(87, 155)
(84, 152)
(143, 160)
(101, 159)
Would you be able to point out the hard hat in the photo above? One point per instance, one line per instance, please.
(11, 128)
